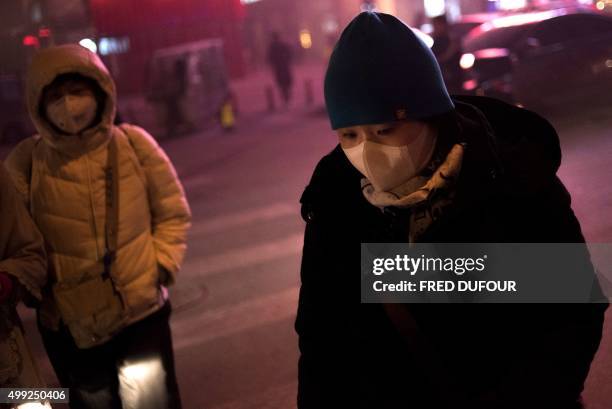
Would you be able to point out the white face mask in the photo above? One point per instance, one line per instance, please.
(387, 167)
(72, 113)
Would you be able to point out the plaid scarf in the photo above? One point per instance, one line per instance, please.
(427, 194)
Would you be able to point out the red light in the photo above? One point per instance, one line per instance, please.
(470, 85)
(31, 41)
(44, 32)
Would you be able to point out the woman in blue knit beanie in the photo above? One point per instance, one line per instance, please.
(414, 165)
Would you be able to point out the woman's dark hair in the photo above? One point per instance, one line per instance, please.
(99, 94)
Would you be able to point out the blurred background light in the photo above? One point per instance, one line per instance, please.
(113, 45)
(512, 4)
(89, 44)
(305, 39)
(434, 7)
(44, 32)
(467, 61)
(426, 38)
(330, 25)
(31, 41)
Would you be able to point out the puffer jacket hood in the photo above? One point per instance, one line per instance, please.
(46, 66)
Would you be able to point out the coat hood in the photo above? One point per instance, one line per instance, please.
(46, 66)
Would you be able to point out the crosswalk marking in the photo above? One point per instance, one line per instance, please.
(278, 396)
(242, 316)
(245, 257)
(199, 180)
(227, 222)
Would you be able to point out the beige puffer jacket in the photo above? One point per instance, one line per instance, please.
(62, 179)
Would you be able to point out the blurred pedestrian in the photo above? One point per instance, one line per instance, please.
(114, 217)
(447, 49)
(23, 273)
(174, 99)
(280, 58)
(416, 166)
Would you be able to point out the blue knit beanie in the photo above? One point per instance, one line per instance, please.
(380, 72)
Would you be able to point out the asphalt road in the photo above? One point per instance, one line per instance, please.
(236, 297)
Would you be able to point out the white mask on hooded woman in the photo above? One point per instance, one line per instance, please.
(72, 113)
(388, 167)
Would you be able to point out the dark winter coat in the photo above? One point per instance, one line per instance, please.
(496, 356)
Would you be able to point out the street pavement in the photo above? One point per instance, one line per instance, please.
(235, 300)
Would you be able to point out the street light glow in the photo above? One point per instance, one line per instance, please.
(434, 7)
(89, 44)
(467, 61)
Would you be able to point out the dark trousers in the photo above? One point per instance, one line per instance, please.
(134, 370)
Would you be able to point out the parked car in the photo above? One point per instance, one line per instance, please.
(15, 123)
(466, 23)
(541, 60)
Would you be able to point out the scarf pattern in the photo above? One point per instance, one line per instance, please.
(427, 196)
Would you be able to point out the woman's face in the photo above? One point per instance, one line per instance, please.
(399, 133)
(71, 106)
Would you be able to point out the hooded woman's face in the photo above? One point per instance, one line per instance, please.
(71, 106)
(388, 154)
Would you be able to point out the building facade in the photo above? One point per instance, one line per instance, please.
(129, 32)
(27, 25)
